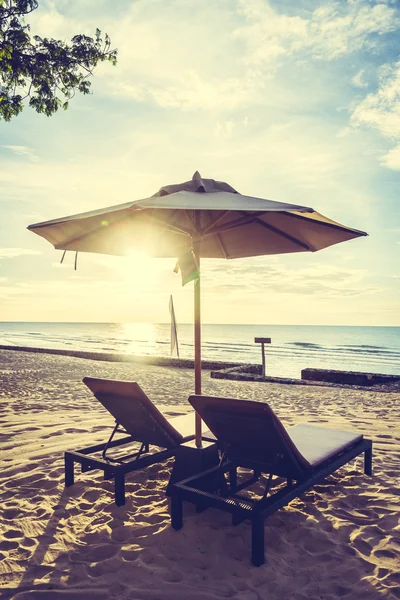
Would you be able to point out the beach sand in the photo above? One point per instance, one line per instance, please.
(340, 540)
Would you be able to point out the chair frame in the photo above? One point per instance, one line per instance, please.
(211, 489)
(114, 468)
(158, 433)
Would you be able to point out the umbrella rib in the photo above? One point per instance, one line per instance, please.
(246, 218)
(64, 243)
(190, 217)
(285, 235)
(331, 225)
(221, 245)
(168, 226)
(217, 220)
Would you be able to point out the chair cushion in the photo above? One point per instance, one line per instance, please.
(185, 424)
(318, 444)
(251, 433)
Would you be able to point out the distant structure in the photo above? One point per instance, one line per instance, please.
(262, 341)
(174, 330)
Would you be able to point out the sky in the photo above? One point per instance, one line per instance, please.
(295, 101)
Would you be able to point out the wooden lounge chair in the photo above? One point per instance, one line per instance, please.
(250, 435)
(138, 417)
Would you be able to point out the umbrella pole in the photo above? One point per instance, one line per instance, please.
(197, 347)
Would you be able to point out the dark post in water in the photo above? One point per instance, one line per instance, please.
(262, 341)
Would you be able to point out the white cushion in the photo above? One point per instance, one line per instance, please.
(317, 444)
(185, 424)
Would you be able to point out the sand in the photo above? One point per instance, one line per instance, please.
(340, 540)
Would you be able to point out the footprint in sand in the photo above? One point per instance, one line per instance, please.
(90, 496)
(7, 545)
(28, 543)
(12, 534)
(96, 554)
(392, 473)
(11, 514)
(106, 566)
(55, 473)
(54, 434)
(129, 554)
(85, 505)
(382, 572)
(362, 546)
(74, 430)
(384, 554)
(357, 519)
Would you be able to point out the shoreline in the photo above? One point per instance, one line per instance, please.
(215, 367)
(178, 363)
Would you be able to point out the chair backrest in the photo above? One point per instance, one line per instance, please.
(251, 435)
(131, 408)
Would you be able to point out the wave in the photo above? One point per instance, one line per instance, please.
(361, 346)
(305, 344)
(378, 349)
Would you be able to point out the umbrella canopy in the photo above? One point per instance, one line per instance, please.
(224, 223)
(207, 215)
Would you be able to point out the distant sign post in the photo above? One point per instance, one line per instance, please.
(262, 341)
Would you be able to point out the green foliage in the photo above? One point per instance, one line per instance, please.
(49, 72)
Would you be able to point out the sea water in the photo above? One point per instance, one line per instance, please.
(292, 348)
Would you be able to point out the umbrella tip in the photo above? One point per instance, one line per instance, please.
(196, 175)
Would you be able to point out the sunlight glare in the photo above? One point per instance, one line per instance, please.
(139, 270)
(140, 338)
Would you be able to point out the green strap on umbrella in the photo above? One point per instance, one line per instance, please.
(188, 266)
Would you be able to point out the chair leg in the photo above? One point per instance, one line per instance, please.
(68, 469)
(176, 512)
(257, 540)
(222, 485)
(233, 479)
(368, 461)
(119, 488)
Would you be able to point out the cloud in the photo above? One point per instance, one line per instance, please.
(192, 91)
(381, 111)
(255, 93)
(358, 79)
(332, 30)
(21, 151)
(15, 252)
(392, 159)
(250, 41)
(219, 55)
(325, 281)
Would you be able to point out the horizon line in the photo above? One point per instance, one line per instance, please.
(192, 324)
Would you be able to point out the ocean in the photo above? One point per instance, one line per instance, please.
(292, 348)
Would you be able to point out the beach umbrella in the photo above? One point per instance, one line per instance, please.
(203, 216)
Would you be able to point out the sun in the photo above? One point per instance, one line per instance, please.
(139, 270)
